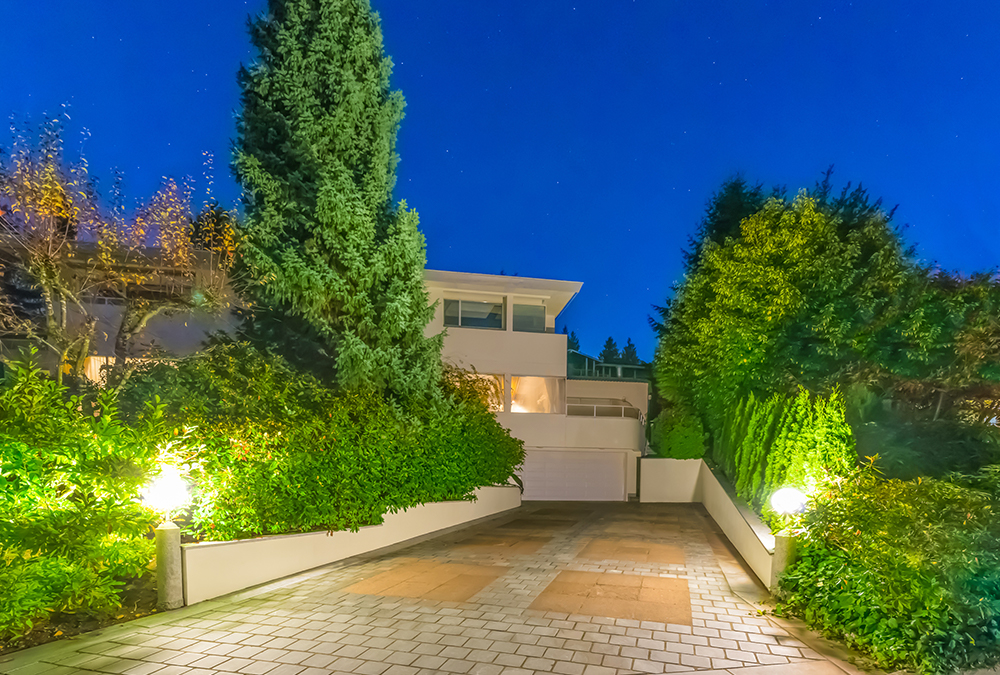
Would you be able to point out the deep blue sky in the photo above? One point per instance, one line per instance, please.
(573, 139)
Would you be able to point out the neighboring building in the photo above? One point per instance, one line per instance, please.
(169, 334)
(586, 367)
(582, 436)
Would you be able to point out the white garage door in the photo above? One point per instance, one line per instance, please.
(575, 475)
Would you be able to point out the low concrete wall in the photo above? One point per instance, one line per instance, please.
(692, 481)
(212, 569)
(669, 480)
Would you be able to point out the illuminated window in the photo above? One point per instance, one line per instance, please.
(473, 314)
(537, 394)
(529, 318)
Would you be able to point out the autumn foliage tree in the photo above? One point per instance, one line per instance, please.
(45, 201)
(61, 244)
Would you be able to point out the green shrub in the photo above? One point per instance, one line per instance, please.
(71, 530)
(678, 433)
(283, 453)
(905, 571)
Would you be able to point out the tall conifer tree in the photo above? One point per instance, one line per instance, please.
(610, 352)
(316, 156)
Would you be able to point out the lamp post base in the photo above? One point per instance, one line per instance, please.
(169, 583)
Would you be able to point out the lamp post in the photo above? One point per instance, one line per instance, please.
(165, 494)
(786, 501)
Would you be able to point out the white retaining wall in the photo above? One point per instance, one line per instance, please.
(212, 569)
(692, 481)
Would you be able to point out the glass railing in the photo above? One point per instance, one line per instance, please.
(600, 407)
(609, 372)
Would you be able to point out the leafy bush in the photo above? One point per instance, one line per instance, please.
(906, 571)
(283, 453)
(678, 433)
(70, 529)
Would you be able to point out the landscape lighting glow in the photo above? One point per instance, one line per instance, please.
(168, 492)
(787, 501)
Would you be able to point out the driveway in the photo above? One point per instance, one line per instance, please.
(577, 589)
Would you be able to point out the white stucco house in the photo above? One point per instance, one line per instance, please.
(582, 436)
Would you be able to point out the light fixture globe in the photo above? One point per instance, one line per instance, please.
(167, 492)
(789, 500)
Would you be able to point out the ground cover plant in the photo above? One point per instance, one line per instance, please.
(906, 571)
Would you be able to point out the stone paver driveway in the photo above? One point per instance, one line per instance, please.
(576, 589)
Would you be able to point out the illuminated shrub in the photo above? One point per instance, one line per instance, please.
(283, 453)
(905, 571)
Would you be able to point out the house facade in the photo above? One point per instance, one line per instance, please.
(582, 435)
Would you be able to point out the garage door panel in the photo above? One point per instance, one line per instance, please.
(570, 475)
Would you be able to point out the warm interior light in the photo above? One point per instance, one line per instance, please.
(167, 492)
(789, 500)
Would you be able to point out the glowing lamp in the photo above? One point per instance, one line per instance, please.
(787, 501)
(167, 493)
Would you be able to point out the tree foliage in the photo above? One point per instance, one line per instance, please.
(572, 341)
(609, 353)
(797, 299)
(316, 154)
(629, 355)
(61, 248)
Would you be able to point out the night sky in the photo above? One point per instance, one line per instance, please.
(572, 140)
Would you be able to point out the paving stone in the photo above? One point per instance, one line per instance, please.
(473, 602)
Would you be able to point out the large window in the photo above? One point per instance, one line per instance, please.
(529, 318)
(473, 314)
(537, 394)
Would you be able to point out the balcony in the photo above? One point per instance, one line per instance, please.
(578, 406)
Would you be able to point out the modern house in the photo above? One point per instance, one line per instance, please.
(582, 434)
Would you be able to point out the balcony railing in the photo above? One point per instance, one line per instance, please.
(606, 371)
(601, 407)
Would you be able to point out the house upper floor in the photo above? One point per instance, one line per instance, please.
(500, 324)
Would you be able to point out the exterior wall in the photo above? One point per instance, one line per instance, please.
(217, 568)
(562, 431)
(175, 334)
(498, 352)
(506, 352)
(636, 393)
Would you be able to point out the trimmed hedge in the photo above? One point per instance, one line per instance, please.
(283, 453)
(907, 572)
(794, 441)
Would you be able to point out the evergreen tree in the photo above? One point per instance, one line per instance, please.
(316, 156)
(610, 352)
(726, 209)
(572, 341)
(630, 355)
